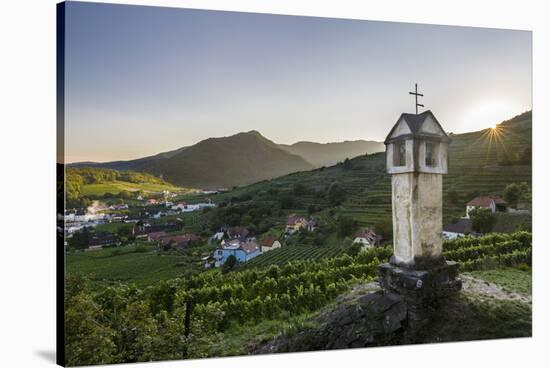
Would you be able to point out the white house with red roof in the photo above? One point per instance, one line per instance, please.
(367, 238)
(269, 243)
(495, 204)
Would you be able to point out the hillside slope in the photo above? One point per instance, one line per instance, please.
(240, 159)
(327, 154)
(479, 163)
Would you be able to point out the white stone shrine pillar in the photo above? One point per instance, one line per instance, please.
(416, 159)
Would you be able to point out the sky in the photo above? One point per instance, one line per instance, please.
(140, 80)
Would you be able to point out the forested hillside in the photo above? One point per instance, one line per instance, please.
(482, 162)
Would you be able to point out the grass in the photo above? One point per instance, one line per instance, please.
(141, 265)
(475, 317)
(240, 339)
(513, 280)
(478, 320)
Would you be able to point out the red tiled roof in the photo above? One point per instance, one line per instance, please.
(292, 220)
(179, 239)
(157, 235)
(368, 234)
(237, 231)
(485, 201)
(249, 246)
(268, 242)
(499, 200)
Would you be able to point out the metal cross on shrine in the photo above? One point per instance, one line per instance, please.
(416, 94)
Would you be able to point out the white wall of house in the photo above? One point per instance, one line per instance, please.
(276, 244)
(449, 235)
(363, 241)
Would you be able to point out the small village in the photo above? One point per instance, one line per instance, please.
(158, 222)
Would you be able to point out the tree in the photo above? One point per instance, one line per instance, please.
(336, 194)
(287, 202)
(511, 194)
(80, 239)
(385, 229)
(300, 189)
(90, 340)
(514, 193)
(347, 164)
(454, 197)
(345, 226)
(483, 220)
(230, 262)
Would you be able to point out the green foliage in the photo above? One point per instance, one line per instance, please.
(285, 254)
(514, 193)
(482, 220)
(347, 165)
(336, 194)
(515, 280)
(80, 239)
(345, 226)
(96, 182)
(122, 323)
(490, 251)
(384, 228)
(230, 262)
(454, 197)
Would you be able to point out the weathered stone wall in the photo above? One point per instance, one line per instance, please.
(417, 216)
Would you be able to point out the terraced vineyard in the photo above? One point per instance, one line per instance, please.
(282, 256)
(475, 168)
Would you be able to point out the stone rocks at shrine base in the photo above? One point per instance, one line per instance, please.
(420, 289)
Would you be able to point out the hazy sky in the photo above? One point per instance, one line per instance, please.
(142, 80)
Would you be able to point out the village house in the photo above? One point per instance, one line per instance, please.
(242, 250)
(208, 261)
(236, 232)
(156, 236)
(459, 229)
(495, 204)
(179, 206)
(142, 228)
(216, 236)
(296, 223)
(178, 241)
(367, 238)
(151, 202)
(118, 207)
(312, 224)
(102, 239)
(269, 243)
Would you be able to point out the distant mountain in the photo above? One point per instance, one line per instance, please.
(240, 159)
(327, 154)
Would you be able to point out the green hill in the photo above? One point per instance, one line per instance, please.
(240, 159)
(481, 162)
(93, 181)
(328, 154)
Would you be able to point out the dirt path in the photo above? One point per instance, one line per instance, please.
(473, 286)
